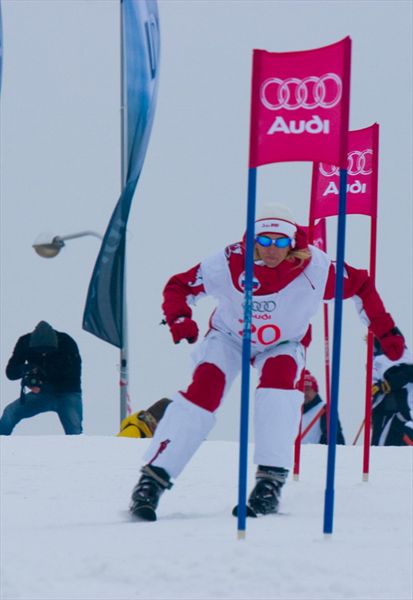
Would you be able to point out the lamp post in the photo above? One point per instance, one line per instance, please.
(49, 247)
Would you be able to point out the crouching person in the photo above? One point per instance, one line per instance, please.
(48, 364)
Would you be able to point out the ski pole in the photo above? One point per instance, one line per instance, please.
(359, 432)
(312, 423)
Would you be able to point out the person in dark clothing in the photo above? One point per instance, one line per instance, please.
(313, 404)
(48, 364)
(392, 398)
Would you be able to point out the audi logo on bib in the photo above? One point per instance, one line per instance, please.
(300, 105)
(264, 306)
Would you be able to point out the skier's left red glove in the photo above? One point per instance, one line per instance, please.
(392, 344)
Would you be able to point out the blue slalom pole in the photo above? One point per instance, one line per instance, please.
(246, 354)
(335, 368)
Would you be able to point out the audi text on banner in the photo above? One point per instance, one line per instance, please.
(300, 105)
(362, 161)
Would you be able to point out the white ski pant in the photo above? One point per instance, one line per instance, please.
(277, 412)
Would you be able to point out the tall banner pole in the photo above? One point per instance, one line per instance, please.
(335, 372)
(1, 49)
(124, 350)
(105, 313)
(246, 355)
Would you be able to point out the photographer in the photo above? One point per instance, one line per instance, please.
(49, 366)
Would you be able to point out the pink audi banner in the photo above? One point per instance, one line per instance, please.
(317, 234)
(362, 176)
(300, 105)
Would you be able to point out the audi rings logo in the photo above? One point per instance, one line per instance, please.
(358, 163)
(264, 306)
(293, 93)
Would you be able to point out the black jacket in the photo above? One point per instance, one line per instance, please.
(392, 410)
(62, 367)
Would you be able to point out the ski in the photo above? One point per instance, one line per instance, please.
(144, 513)
(250, 512)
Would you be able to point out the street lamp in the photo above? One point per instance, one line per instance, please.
(49, 246)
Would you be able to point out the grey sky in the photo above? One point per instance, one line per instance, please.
(60, 173)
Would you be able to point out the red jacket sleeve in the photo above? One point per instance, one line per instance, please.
(359, 286)
(181, 291)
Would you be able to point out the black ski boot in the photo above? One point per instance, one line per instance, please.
(146, 493)
(265, 497)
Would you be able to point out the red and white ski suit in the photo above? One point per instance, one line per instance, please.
(285, 299)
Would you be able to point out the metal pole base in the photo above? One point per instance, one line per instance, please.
(241, 535)
(365, 476)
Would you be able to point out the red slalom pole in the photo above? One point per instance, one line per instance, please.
(369, 367)
(297, 452)
(373, 248)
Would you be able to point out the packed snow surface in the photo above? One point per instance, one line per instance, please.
(66, 532)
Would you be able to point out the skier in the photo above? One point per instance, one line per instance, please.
(313, 403)
(392, 397)
(291, 280)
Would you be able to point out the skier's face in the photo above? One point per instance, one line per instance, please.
(272, 256)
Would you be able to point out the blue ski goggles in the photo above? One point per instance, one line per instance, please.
(266, 242)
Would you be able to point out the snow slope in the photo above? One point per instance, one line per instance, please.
(66, 533)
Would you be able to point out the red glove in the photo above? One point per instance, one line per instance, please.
(392, 345)
(184, 328)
